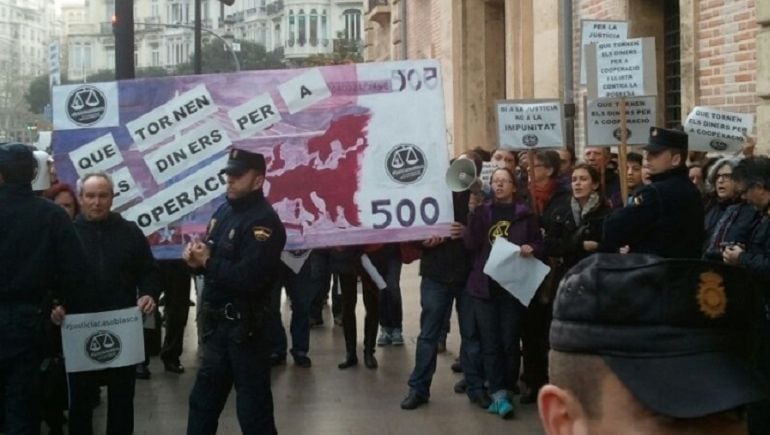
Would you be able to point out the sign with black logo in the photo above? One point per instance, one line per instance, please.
(529, 124)
(602, 121)
(406, 163)
(103, 346)
(86, 105)
(717, 130)
(93, 105)
(108, 339)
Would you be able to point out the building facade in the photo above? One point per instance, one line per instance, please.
(26, 29)
(708, 53)
(164, 36)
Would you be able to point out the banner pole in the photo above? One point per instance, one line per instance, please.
(623, 154)
(531, 174)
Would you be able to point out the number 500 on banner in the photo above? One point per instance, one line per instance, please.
(404, 213)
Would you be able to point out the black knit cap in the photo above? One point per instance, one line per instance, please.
(241, 161)
(17, 163)
(662, 139)
(677, 333)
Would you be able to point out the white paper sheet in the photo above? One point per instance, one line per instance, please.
(520, 276)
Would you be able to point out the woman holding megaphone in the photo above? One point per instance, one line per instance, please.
(499, 315)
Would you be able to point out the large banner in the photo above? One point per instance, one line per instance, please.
(355, 153)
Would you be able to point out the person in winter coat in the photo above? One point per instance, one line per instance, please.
(498, 313)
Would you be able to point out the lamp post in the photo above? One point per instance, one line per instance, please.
(207, 31)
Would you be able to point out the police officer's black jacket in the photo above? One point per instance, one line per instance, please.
(246, 238)
(121, 265)
(665, 218)
(40, 252)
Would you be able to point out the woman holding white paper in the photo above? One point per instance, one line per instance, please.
(499, 315)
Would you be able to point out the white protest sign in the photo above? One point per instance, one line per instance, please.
(623, 68)
(305, 90)
(486, 174)
(98, 155)
(529, 124)
(93, 105)
(592, 31)
(187, 150)
(162, 122)
(255, 115)
(182, 198)
(603, 121)
(715, 130)
(125, 187)
(96, 341)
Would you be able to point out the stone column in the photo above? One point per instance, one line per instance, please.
(763, 77)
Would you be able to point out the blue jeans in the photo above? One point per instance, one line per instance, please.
(391, 310)
(229, 359)
(301, 290)
(435, 298)
(500, 320)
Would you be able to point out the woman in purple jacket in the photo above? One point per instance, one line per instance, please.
(499, 315)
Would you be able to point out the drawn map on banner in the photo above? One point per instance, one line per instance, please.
(356, 154)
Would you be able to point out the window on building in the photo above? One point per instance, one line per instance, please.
(352, 24)
(672, 70)
(301, 30)
(277, 36)
(109, 10)
(324, 29)
(313, 27)
(155, 9)
(155, 49)
(292, 28)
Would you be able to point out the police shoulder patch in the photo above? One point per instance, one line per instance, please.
(262, 233)
(637, 200)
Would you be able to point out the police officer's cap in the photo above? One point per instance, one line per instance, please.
(241, 161)
(662, 139)
(677, 333)
(17, 163)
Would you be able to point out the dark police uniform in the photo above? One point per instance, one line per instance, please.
(246, 238)
(676, 332)
(40, 254)
(665, 217)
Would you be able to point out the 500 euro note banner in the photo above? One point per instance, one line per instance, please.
(355, 154)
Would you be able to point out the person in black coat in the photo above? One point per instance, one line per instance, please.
(664, 217)
(730, 220)
(123, 273)
(752, 178)
(572, 223)
(40, 256)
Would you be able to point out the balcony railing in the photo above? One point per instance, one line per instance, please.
(274, 7)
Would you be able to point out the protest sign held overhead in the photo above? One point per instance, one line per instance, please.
(592, 31)
(355, 154)
(603, 121)
(715, 130)
(622, 68)
(529, 124)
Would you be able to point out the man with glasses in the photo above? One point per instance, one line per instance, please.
(664, 218)
(752, 179)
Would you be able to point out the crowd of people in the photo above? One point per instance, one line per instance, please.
(73, 254)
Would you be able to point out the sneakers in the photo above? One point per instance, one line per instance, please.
(502, 407)
(396, 339)
(384, 338)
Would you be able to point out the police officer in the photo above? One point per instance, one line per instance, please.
(649, 345)
(40, 253)
(664, 218)
(239, 260)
